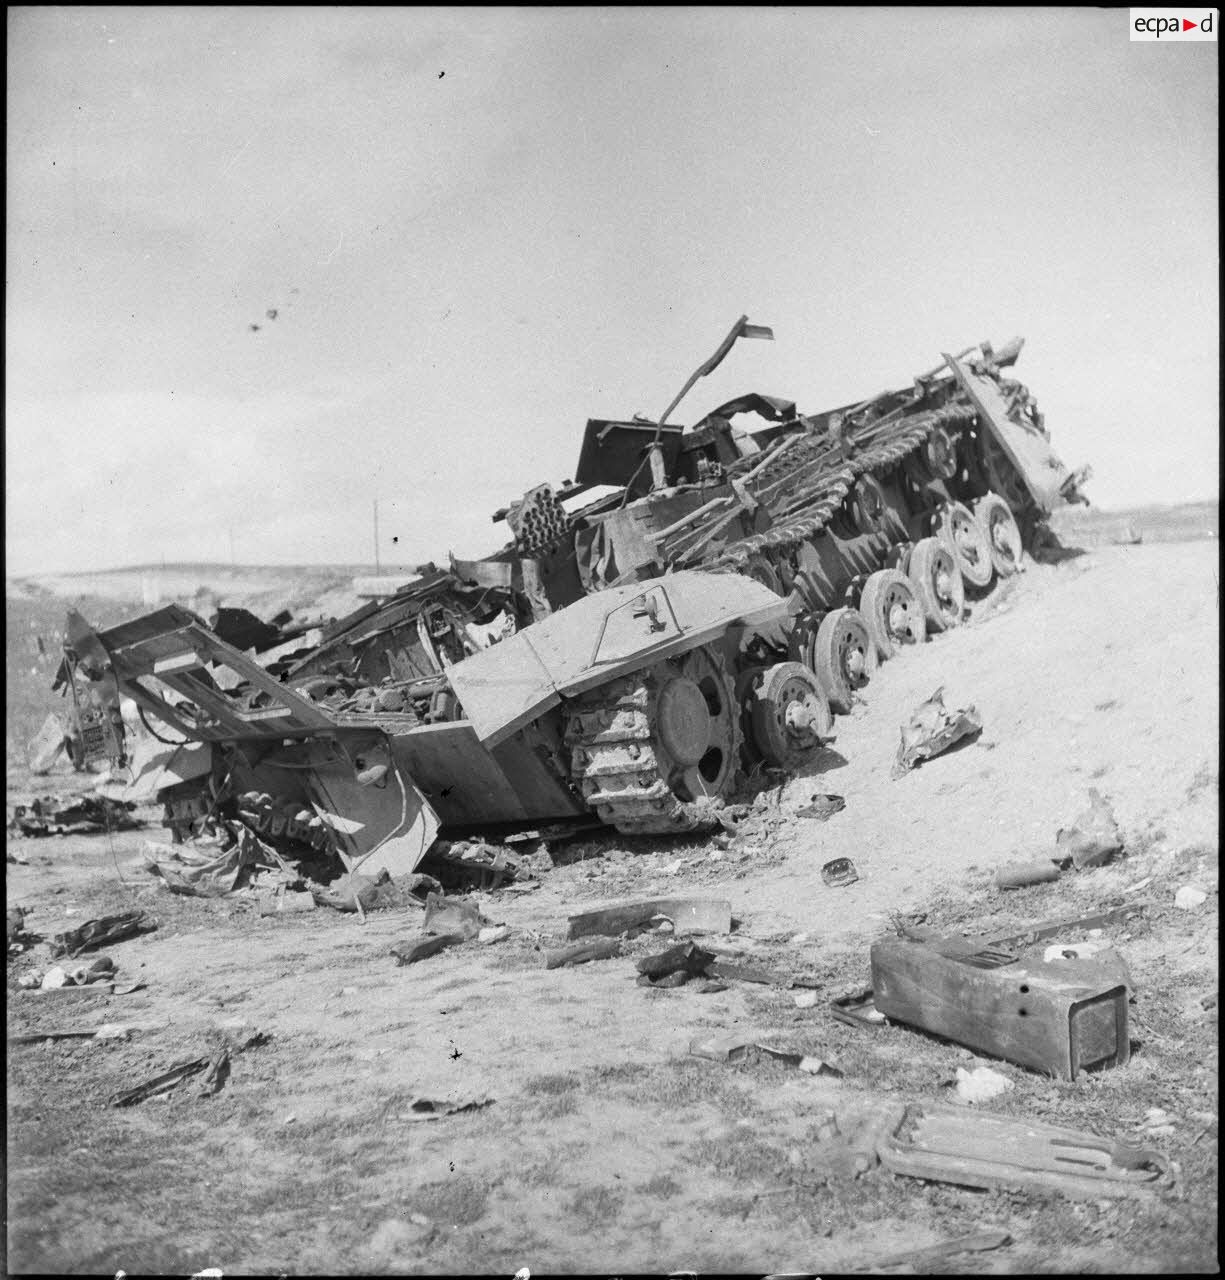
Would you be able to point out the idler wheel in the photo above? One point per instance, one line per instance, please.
(1000, 529)
(789, 715)
(933, 572)
(843, 657)
(683, 721)
(892, 612)
(965, 538)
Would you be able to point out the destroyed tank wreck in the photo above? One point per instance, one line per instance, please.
(623, 707)
(873, 518)
(627, 660)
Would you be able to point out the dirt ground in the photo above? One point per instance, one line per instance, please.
(606, 1146)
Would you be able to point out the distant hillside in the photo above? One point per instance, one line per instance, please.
(264, 589)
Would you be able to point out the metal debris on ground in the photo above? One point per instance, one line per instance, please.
(1093, 838)
(102, 969)
(453, 915)
(838, 873)
(360, 893)
(437, 1108)
(107, 1031)
(217, 866)
(582, 953)
(161, 1083)
(100, 933)
(822, 807)
(736, 1047)
(1059, 1017)
(1022, 875)
(932, 729)
(410, 950)
(975, 1242)
(463, 864)
(982, 1149)
(753, 973)
(237, 1037)
(687, 915)
(686, 958)
(72, 815)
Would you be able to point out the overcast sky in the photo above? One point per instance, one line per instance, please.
(479, 227)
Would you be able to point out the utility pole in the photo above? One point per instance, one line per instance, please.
(232, 560)
(377, 566)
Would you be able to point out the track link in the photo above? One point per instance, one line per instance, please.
(618, 764)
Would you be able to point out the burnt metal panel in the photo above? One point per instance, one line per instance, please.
(1026, 447)
(613, 453)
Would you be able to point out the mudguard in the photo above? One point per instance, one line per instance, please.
(599, 638)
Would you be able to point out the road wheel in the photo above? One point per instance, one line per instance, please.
(789, 715)
(891, 612)
(1000, 529)
(842, 656)
(964, 537)
(933, 572)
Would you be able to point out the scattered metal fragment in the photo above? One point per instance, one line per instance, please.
(160, 1084)
(1021, 875)
(688, 915)
(686, 957)
(823, 806)
(1050, 928)
(100, 933)
(975, 1242)
(216, 1072)
(751, 973)
(72, 815)
(452, 915)
(107, 1031)
(582, 952)
(1059, 1018)
(410, 950)
(1094, 838)
(735, 1047)
(677, 978)
(437, 1108)
(982, 1149)
(933, 729)
(839, 872)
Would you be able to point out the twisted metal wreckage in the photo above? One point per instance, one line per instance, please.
(624, 661)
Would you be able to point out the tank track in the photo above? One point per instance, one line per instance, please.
(614, 762)
(814, 499)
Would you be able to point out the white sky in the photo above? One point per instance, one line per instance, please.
(480, 227)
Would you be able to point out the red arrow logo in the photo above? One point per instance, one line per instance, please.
(1189, 26)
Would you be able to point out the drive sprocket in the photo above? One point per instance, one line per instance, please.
(650, 750)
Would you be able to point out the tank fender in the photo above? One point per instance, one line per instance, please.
(600, 638)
